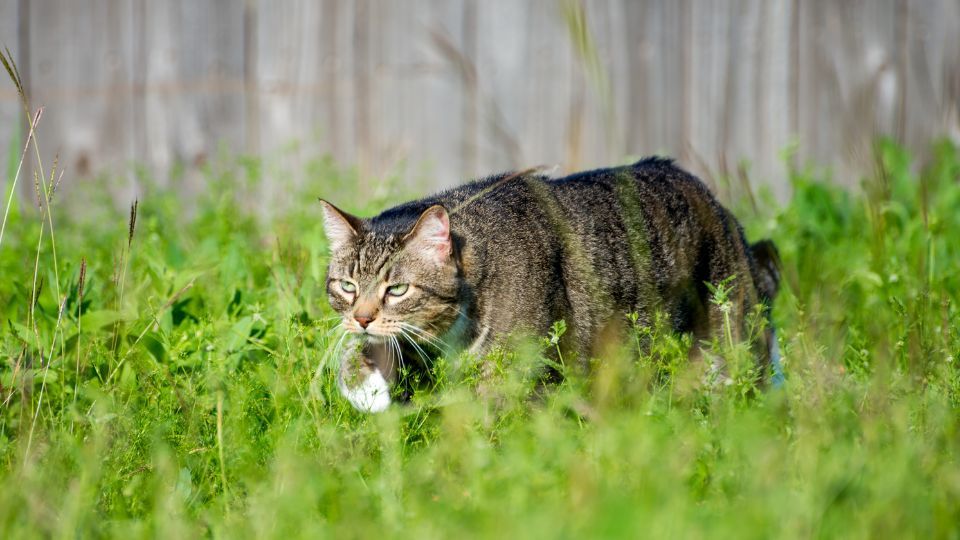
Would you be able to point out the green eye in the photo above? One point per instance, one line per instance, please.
(347, 286)
(398, 290)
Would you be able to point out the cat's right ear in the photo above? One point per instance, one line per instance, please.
(340, 227)
(431, 234)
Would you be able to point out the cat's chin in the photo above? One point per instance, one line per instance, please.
(378, 339)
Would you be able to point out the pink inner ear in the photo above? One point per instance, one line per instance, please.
(433, 235)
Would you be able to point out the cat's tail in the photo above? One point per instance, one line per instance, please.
(767, 280)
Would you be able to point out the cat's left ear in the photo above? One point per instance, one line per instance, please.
(340, 227)
(431, 235)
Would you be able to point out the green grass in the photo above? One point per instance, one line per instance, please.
(200, 400)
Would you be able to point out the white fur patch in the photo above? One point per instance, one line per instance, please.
(370, 396)
(478, 344)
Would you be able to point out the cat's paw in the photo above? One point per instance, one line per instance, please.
(365, 376)
(369, 394)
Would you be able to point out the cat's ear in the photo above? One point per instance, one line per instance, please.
(431, 235)
(340, 227)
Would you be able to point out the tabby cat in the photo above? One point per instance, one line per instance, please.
(513, 253)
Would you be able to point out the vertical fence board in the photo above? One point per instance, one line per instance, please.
(11, 125)
(297, 72)
(192, 81)
(79, 70)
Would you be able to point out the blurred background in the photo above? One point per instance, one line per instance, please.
(140, 93)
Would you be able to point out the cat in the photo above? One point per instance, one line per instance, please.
(513, 253)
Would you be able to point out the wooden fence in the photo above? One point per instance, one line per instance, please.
(454, 89)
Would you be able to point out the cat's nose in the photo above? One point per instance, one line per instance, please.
(363, 321)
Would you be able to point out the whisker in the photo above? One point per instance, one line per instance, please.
(459, 311)
(340, 342)
(423, 354)
(415, 333)
(334, 328)
(395, 346)
(389, 355)
(338, 347)
(413, 342)
(424, 335)
(331, 352)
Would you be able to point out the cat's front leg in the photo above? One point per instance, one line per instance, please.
(367, 372)
(481, 344)
(479, 348)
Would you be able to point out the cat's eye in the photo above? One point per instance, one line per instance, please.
(347, 287)
(398, 290)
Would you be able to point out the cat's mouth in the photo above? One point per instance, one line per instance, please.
(374, 331)
(389, 330)
(377, 336)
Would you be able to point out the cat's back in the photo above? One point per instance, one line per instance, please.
(652, 179)
(530, 211)
(464, 203)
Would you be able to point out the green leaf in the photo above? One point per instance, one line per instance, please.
(237, 335)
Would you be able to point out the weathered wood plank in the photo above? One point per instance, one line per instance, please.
(10, 116)
(189, 82)
(79, 69)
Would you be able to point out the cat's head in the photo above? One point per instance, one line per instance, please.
(387, 279)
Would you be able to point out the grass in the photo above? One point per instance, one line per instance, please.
(171, 377)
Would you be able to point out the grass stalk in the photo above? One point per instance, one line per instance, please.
(124, 260)
(43, 383)
(223, 467)
(81, 282)
(16, 177)
(44, 188)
